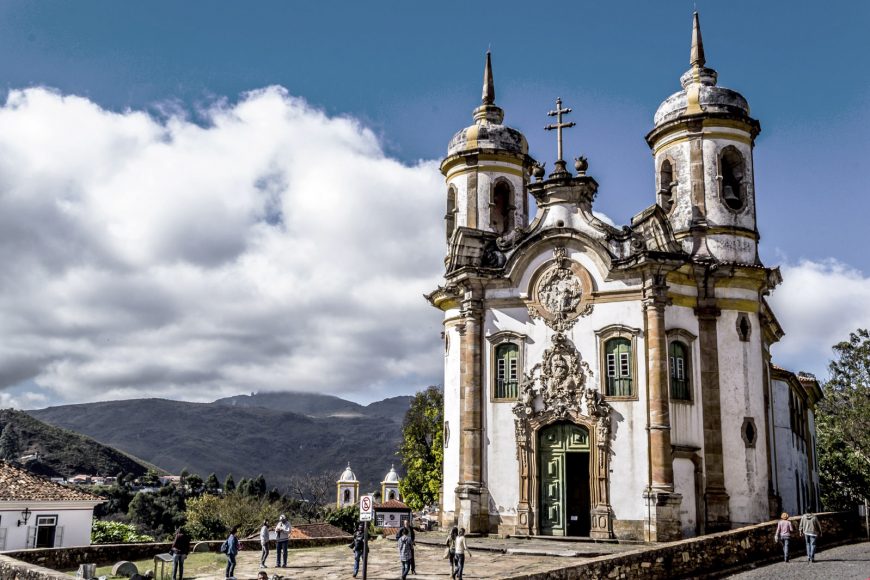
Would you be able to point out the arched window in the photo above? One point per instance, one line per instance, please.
(666, 185)
(731, 173)
(507, 370)
(501, 209)
(618, 361)
(450, 216)
(347, 496)
(391, 495)
(680, 372)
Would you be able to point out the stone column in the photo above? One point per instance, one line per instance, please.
(470, 493)
(718, 512)
(664, 503)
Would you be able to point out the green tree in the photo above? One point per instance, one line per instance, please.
(210, 516)
(159, 513)
(229, 484)
(194, 484)
(212, 485)
(345, 518)
(9, 444)
(843, 425)
(422, 449)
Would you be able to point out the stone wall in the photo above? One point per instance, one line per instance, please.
(11, 569)
(705, 556)
(104, 554)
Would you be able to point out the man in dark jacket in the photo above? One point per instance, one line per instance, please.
(180, 549)
(409, 531)
(358, 544)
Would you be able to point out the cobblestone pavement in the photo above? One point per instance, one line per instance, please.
(486, 561)
(850, 562)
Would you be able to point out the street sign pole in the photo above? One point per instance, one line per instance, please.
(366, 551)
(366, 507)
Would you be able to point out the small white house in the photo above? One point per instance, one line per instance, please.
(38, 513)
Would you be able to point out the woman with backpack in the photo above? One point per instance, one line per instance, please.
(231, 547)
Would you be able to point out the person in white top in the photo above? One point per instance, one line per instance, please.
(282, 540)
(461, 551)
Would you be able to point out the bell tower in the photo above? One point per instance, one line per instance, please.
(487, 171)
(702, 144)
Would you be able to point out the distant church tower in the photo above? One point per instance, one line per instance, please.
(390, 486)
(347, 489)
(603, 381)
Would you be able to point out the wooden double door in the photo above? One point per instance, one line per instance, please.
(564, 451)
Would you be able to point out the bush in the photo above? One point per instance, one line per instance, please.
(116, 533)
(210, 517)
(345, 518)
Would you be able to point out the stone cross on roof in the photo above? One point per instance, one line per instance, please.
(558, 126)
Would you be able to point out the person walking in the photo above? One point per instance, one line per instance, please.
(282, 541)
(783, 534)
(264, 543)
(810, 528)
(232, 544)
(451, 549)
(405, 549)
(461, 552)
(358, 544)
(180, 549)
(409, 531)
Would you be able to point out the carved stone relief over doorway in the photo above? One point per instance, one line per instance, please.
(556, 416)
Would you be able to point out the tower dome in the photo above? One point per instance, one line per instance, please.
(700, 94)
(347, 475)
(488, 130)
(391, 476)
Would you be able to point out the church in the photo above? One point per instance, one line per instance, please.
(616, 382)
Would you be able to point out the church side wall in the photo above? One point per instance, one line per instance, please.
(451, 417)
(742, 399)
(790, 453)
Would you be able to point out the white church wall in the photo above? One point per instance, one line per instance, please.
(791, 458)
(460, 186)
(729, 247)
(684, 484)
(742, 396)
(451, 414)
(687, 418)
(681, 213)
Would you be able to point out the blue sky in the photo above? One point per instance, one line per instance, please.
(395, 80)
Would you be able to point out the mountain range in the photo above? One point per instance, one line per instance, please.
(277, 434)
(54, 452)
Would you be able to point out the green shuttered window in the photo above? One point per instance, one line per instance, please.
(680, 372)
(506, 370)
(618, 362)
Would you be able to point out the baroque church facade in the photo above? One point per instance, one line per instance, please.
(602, 381)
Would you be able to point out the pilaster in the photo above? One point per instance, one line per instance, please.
(718, 512)
(471, 493)
(661, 458)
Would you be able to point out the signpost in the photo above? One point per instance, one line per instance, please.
(366, 511)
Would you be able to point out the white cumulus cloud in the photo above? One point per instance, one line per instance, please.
(818, 304)
(268, 246)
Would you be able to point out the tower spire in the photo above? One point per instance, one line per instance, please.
(488, 84)
(696, 59)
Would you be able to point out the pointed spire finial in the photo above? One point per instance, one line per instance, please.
(697, 56)
(488, 84)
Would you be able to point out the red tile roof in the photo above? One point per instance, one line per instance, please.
(392, 504)
(17, 484)
(317, 531)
